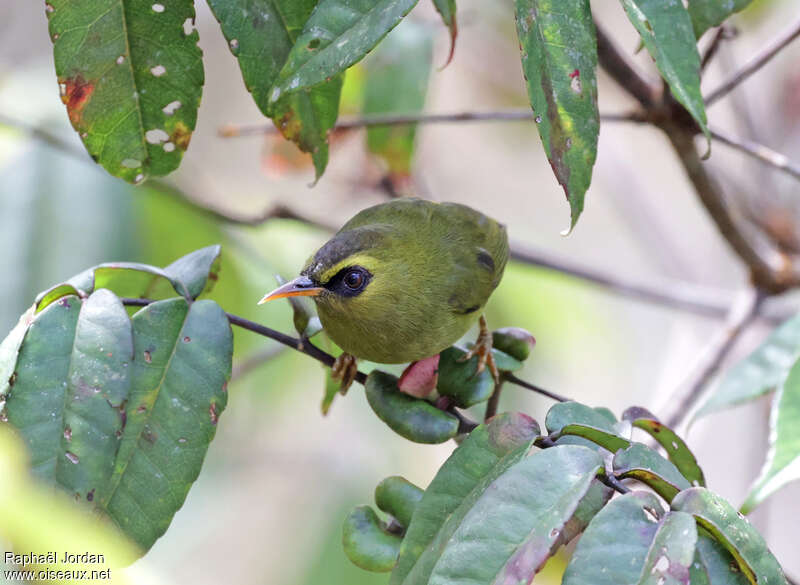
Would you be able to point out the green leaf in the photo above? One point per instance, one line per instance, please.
(609, 441)
(563, 415)
(666, 30)
(707, 14)
(338, 34)
(198, 270)
(9, 351)
(734, 532)
(484, 455)
(713, 565)
(760, 372)
(447, 9)
(783, 458)
(131, 78)
(127, 279)
(642, 463)
(413, 418)
(261, 33)
(677, 450)
(595, 499)
(182, 364)
(514, 527)
(559, 58)
(632, 541)
(120, 412)
(52, 294)
(366, 543)
(399, 497)
(513, 341)
(397, 81)
(72, 379)
(460, 381)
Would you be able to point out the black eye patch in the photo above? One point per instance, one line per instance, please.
(349, 282)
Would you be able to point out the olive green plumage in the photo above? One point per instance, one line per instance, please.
(427, 270)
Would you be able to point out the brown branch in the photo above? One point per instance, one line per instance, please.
(509, 377)
(686, 397)
(755, 63)
(617, 65)
(235, 130)
(760, 152)
(493, 402)
(720, 34)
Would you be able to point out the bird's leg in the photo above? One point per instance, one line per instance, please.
(483, 349)
(344, 371)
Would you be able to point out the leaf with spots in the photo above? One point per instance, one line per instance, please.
(783, 457)
(559, 58)
(261, 33)
(338, 34)
(707, 14)
(666, 31)
(633, 541)
(397, 82)
(131, 76)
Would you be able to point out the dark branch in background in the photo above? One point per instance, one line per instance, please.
(623, 71)
(236, 131)
(760, 152)
(720, 34)
(253, 361)
(755, 63)
(685, 398)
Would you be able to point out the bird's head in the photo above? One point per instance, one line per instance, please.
(348, 273)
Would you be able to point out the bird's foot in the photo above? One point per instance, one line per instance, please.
(483, 349)
(344, 371)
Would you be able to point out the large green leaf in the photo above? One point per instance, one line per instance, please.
(484, 455)
(666, 30)
(642, 463)
(559, 58)
(578, 419)
(713, 565)
(631, 541)
(516, 524)
(783, 458)
(72, 378)
(734, 532)
(182, 363)
(131, 78)
(707, 14)
(397, 81)
(760, 372)
(120, 412)
(261, 33)
(338, 34)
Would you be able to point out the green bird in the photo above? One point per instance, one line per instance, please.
(403, 280)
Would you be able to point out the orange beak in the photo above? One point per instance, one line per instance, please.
(302, 286)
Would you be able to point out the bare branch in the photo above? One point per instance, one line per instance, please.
(760, 152)
(235, 130)
(681, 402)
(720, 34)
(508, 377)
(623, 71)
(755, 63)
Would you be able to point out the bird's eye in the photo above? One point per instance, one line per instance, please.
(354, 279)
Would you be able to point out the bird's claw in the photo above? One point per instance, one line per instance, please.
(483, 349)
(344, 371)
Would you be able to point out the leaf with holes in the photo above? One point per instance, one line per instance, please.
(338, 34)
(733, 532)
(119, 412)
(760, 372)
(131, 76)
(515, 526)
(559, 58)
(666, 31)
(484, 455)
(397, 81)
(261, 33)
(707, 14)
(783, 458)
(633, 541)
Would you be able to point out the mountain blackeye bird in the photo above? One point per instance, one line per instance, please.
(403, 280)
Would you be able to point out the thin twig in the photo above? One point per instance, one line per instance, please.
(611, 481)
(719, 35)
(759, 151)
(494, 401)
(741, 315)
(624, 72)
(508, 377)
(755, 63)
(393, 119)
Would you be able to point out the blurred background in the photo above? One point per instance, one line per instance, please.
(280, 477)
